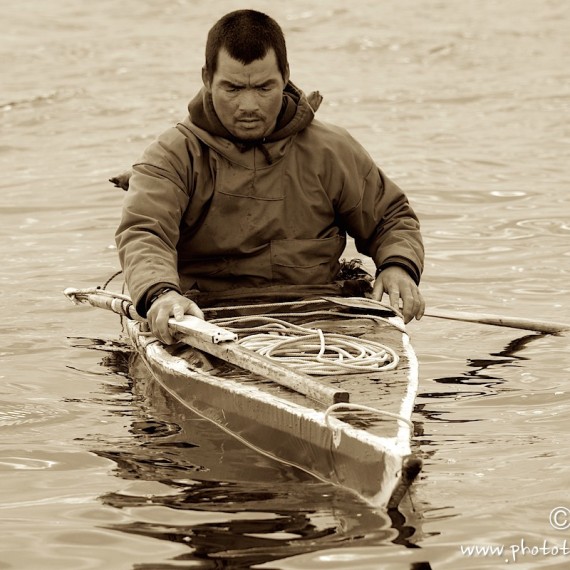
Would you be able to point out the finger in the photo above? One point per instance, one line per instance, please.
(193, 309)
(162, 330)
(414, 305)
(178, 312)
(410, 302)
(189, 308)
(420, 312)
(157, 317)
(151, 319)
(378, 290)
(407, 308)
(394, 294)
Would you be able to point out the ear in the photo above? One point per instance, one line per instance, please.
(206, 79)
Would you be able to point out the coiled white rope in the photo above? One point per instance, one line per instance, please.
(310, 350)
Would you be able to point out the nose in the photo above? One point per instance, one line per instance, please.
(248, 101)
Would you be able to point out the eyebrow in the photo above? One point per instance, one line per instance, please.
(226, 83)
(268, 83)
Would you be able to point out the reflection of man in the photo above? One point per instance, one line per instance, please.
(250, 190)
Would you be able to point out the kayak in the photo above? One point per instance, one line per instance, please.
(323, 383)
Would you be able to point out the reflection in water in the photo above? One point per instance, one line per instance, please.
(479, 375)
(484, 382)
(231, 507)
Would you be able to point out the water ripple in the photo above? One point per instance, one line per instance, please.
(12, 414)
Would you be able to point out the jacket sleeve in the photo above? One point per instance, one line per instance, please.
(153, 207)
(377, 214)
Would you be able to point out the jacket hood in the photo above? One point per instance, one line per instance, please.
(295, 115)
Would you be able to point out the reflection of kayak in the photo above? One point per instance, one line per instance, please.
(331, 348)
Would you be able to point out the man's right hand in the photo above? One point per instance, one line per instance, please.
(171, 304)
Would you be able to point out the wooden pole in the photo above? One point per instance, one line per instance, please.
(218, 342)
(501, 321)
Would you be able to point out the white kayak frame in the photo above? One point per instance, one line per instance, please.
(377, 469)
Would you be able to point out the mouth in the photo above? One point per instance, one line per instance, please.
(249, 121)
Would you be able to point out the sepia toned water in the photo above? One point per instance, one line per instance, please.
(464, 104)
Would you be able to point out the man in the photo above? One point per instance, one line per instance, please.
(250, 190)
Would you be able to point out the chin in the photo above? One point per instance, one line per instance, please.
(246, 135)
(256, 133)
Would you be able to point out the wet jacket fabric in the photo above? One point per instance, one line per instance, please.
(206, 212)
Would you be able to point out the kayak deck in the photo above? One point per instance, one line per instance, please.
(362, 446)
(364, 451)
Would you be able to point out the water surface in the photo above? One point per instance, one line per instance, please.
(465, 106)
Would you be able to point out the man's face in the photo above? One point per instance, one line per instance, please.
(247, 98)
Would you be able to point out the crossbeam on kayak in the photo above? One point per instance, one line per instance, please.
(191, 331)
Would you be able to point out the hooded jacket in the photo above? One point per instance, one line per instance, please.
(207, 212)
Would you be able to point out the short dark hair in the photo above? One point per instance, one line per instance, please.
(247, 35)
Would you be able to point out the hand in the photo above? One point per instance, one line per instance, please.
(397, 283)
(171, 304)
